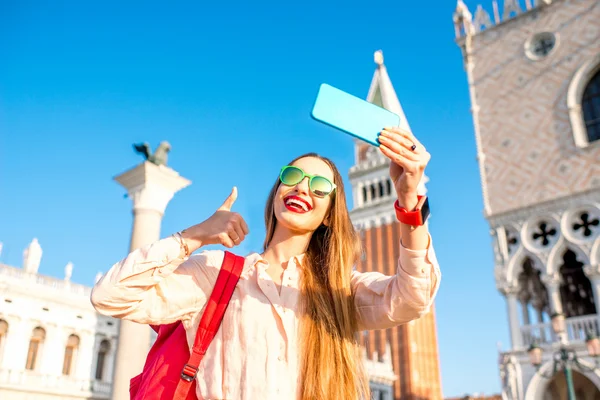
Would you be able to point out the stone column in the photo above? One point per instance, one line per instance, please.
(51, 353)
(17, 343)
(552, 283)
(525, 313)
(512, 303)
(85, 367)
(359, 194)
(150, 187)
(593, 274)
(369, 193)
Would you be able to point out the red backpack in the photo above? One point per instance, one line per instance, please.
(170, 369)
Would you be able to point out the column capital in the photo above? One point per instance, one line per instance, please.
(151, 186)
(553, 280)
(508, 288)
(592, 272)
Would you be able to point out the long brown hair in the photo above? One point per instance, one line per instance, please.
(330, 358)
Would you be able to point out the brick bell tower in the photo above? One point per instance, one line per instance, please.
(414, 346)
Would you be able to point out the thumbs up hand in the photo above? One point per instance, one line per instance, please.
(223, 227)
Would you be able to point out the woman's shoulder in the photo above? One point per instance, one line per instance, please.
(214, 258)
(208, 258)
(205, 265)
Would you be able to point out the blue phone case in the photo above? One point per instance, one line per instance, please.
(352, 115)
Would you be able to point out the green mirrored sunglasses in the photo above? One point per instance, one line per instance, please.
(319, 185)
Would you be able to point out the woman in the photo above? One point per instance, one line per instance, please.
(290, 331)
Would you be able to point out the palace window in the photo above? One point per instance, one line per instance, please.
(590, 104)
(70, 354)
(102, 359)
(583, 102)
(35, 348)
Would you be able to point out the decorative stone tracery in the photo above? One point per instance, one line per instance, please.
(550, 260)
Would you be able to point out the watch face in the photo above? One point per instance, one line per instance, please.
(425, 210)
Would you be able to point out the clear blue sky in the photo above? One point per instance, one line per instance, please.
(230, 85)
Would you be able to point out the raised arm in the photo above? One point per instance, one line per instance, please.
(384, 301)
(156, 284)
(160, 283)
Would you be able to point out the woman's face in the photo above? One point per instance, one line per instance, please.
(296, 207)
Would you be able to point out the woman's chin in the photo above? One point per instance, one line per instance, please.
(295, 223)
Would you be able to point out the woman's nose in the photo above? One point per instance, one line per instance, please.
(302, 186)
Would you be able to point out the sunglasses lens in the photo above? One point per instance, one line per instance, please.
(291, 176)
(321, 186)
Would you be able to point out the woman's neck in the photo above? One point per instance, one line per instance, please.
(284, 245)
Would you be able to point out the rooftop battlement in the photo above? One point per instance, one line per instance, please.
(467, 25)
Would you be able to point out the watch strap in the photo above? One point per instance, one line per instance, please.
(415, 217)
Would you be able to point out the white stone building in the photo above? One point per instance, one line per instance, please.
(533, 72)
(53, 344)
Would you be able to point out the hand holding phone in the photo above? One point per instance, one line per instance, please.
(352, 115)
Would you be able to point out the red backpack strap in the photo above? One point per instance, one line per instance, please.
(229, 275)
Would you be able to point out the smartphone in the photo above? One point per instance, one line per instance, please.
(352, 115)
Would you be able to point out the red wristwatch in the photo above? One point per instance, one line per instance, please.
(418, 216)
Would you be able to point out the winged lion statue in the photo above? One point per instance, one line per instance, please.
(159, 157)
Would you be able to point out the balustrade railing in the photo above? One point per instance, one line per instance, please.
(576, 330)
(537, 333)
(53, 283)
(579, 327)
(34, 380)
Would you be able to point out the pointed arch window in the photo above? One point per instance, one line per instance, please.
(533, 294)
(3, 333)
(36, 344)
(70, 354)
(576, 289)
(590, 104)
(583, 102)
(102, 359)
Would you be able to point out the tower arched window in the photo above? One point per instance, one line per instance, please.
(364, 194)
(590, 104)
(36, 344)
(70, 354)
(388, 187)
(373, 192)
(3, 333)
(102, 359)
(381, 190)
